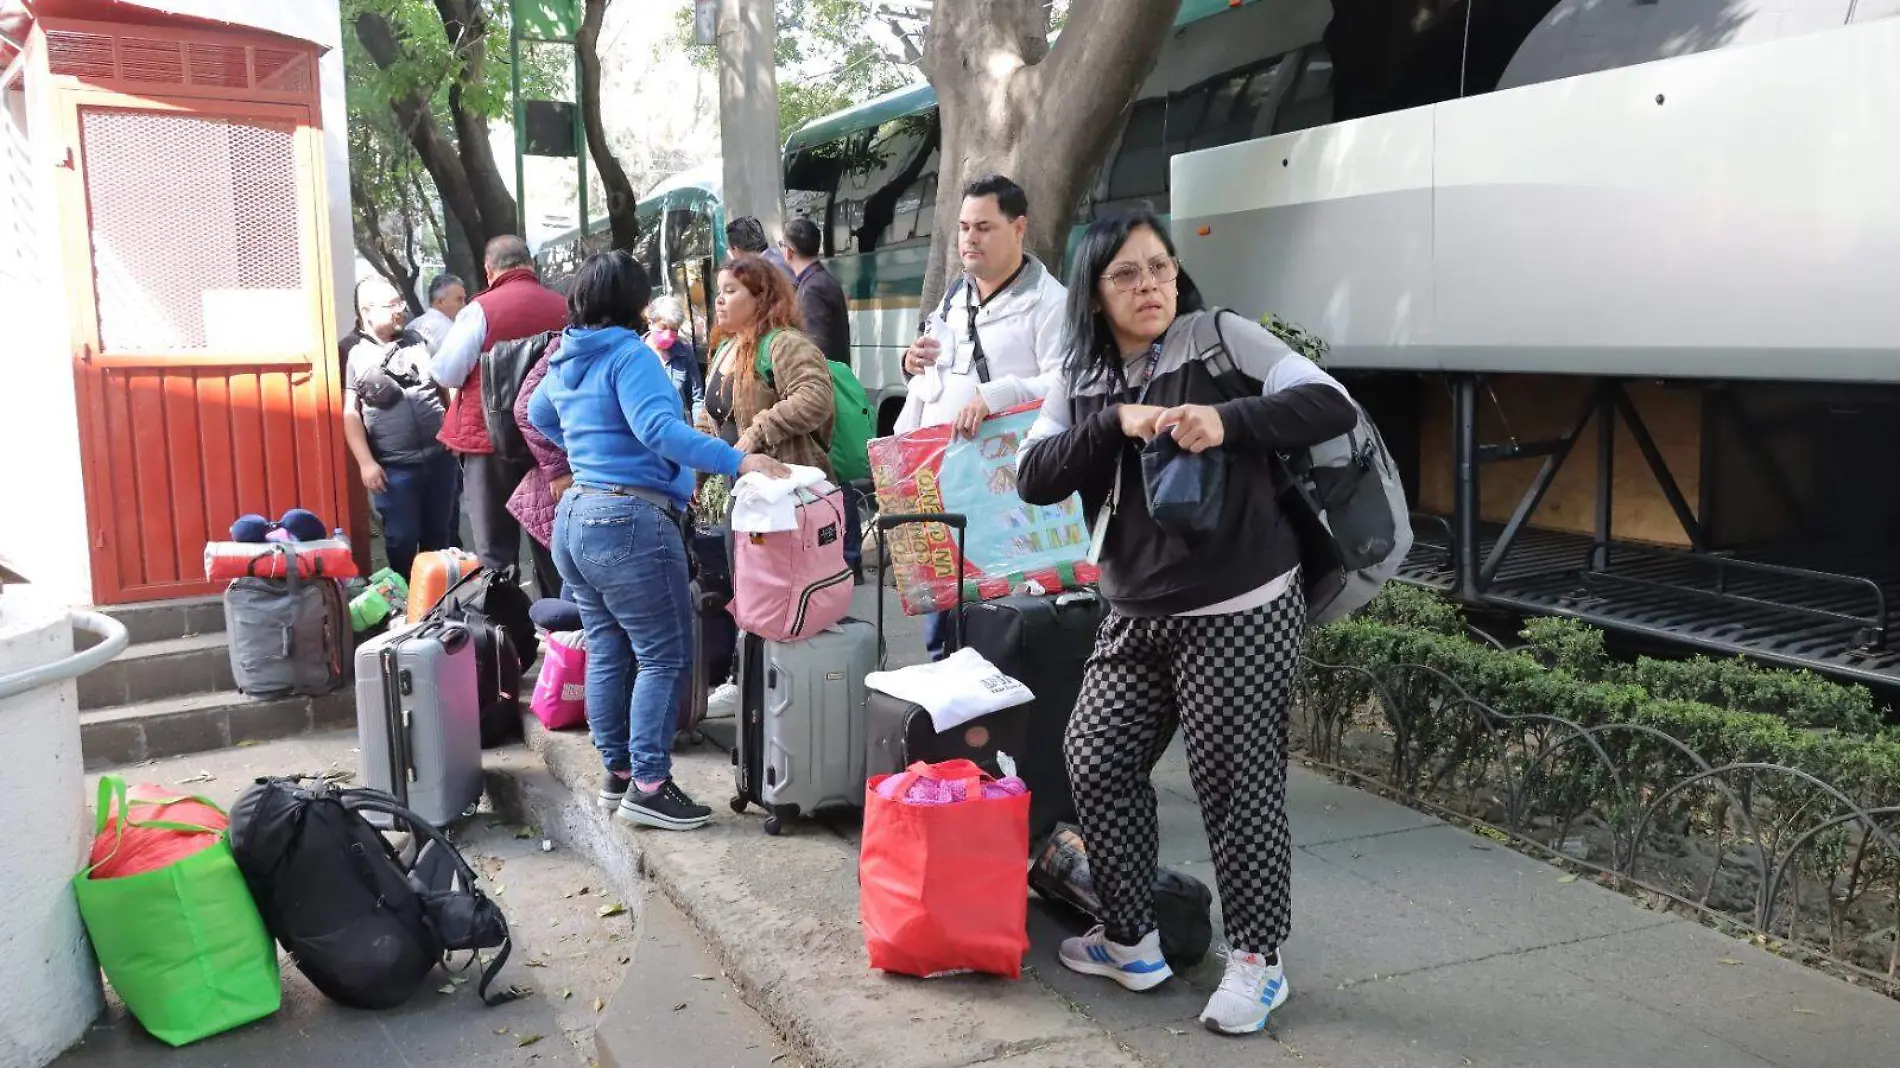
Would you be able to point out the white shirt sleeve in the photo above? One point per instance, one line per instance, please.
(1009, 391)
(1053, 419)
(461, 350)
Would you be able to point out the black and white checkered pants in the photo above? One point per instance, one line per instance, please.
(1225, 680)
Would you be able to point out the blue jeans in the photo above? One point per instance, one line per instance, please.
(853, 528)
(937, 626)
(625, 562)
(418, 508)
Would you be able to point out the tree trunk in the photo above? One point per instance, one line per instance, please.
(467, 30)
(433, 147)
(1044, 115)
(622, 200)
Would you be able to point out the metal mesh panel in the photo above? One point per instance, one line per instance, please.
(196, 238)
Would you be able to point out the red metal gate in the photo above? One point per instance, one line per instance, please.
(197, 264)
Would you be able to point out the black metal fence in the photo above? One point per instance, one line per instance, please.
(1758, 848)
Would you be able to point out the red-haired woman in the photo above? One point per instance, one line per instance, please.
(768, 390)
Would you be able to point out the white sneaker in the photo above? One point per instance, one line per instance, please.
(1137, 967)
(723, 702)
(1250, 990)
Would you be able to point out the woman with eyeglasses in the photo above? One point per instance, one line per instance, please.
(1204, 626)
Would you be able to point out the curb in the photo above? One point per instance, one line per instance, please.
(780, 916)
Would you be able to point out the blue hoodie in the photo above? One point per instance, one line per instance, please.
(608, 400)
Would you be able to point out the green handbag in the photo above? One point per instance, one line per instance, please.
(183, 945)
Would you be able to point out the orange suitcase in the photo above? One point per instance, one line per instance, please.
(433, 574)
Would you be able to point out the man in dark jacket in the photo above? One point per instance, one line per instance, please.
(820, 297)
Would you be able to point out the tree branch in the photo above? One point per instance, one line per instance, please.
(467, 30)
(622, 201)
(437, 153)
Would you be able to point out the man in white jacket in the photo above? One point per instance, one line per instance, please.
(996, 340)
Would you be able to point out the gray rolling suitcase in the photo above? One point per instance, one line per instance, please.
(418, 719)
(801, 721)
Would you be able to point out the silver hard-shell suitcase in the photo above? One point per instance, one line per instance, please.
(418, 719)
(801, 731)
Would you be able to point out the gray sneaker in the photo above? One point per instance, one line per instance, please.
(667, 808)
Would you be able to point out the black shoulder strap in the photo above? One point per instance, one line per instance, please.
(1210, 344)
(950, 294)
(376, 801)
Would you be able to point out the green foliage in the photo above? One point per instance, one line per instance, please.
(1724, 712)
(1400, 605)
(1297, 337)
(1568, 645)
(827, 35)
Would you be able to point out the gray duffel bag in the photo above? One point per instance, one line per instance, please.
(288, 635)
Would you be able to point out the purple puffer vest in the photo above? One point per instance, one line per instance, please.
(532, 503)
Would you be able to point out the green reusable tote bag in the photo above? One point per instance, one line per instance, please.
(182, 945)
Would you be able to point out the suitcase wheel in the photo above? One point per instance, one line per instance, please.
(738, 805)
(772, 825)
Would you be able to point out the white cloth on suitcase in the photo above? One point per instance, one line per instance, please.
(762, 505)
(954, 690)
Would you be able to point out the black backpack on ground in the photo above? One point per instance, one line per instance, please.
(497, 612)
(1184, 906)
(366, 924)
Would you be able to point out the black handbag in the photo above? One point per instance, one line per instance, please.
(1186, 490)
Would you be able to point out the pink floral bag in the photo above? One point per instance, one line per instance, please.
(792, 584)
(560, 691)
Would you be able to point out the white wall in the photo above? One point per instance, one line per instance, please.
(46, 964)
(42, 492)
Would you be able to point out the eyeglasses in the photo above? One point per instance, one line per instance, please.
(1128, 276)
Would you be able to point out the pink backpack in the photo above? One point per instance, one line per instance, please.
(791, 585)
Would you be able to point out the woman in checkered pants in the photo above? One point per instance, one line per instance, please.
(1206, 616)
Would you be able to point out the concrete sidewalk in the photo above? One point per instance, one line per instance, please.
(1415, 944)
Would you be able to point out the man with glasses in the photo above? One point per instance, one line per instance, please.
(392, 412)
(996, 340)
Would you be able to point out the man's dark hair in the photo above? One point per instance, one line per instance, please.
(442, 283)
(507, 252)
(802, 234)
(610, 289)
(1009, 196)
(745, 234)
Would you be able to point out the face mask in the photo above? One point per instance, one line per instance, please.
(663, 339)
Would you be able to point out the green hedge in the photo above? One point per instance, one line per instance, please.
(1726, 711)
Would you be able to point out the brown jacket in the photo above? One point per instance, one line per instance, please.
(790, 419)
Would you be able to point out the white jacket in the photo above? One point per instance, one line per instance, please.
(1023, 338)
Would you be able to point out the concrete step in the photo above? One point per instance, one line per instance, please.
(155, 670)
(157, 621)
(194, 723)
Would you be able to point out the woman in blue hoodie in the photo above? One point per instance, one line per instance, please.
(607, 400)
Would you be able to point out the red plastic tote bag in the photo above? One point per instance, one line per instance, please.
(943, 887)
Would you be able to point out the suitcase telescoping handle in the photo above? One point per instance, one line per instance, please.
(888, 523)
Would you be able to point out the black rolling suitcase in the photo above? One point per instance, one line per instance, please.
(900, 733)
(1044, 642)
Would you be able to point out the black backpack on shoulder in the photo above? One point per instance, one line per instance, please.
(365, 922)
(496, 610)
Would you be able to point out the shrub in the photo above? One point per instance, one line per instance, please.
(1859, 757)
(1402, 605)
